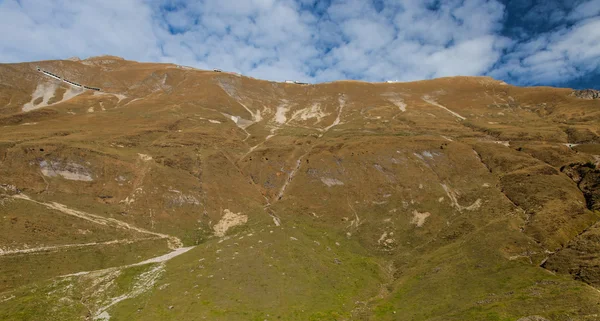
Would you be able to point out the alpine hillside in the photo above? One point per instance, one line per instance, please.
(146, 191)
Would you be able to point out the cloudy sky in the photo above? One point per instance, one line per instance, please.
(523, 42)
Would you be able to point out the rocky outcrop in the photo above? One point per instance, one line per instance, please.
(70, 171)
(586, 94)
(587, 177)
(579, 257)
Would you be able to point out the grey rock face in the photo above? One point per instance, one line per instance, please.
(586, 94)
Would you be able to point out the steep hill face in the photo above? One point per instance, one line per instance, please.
(179, 194)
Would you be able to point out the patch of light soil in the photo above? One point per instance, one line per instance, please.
(419, 218)
(70, 93)
(476, 205)
(331, 181)
(386, 240)
(280, 112)
(503, 142)
(239, 121)
(46, 91)
(338, 119)
(228, 221)
(276, 220)
(145, 157)
(398, 102)
(447, 138)
(104, 316)
(311, 112)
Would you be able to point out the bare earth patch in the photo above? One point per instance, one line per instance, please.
(228, 221)
(419, 218)
(145, 157)
(331, 181)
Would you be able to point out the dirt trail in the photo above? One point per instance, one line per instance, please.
(256, 116)
(67, 246)
(174, 242)
(241, 123)
(144, 283)
(102, 281)
(158, 259)
(164, 258)
(429, 100)
(105, 277)
(454, 200)
(255, 147)
(131, 101)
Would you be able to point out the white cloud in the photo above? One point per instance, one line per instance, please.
(34, 30)
(587, 9)
(557, 56)
(311, 40)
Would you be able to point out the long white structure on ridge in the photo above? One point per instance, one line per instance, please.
(74, 84)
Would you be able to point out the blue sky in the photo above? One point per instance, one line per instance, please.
(523, 42)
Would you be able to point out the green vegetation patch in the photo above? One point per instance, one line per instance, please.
(291, 273)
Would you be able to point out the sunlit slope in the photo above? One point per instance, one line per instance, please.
(450, 199)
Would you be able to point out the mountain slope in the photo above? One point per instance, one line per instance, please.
(450, 199)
